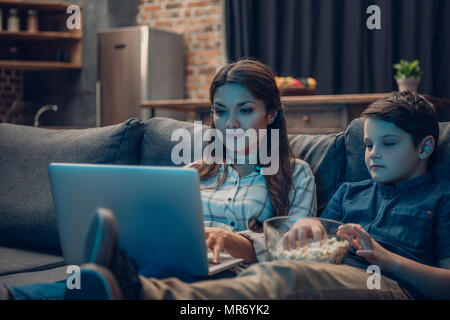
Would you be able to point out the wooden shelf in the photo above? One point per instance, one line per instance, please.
(177, 105)
(39, 36)
(37, 65)
(193, 105)
(43, 49)
(58, 6)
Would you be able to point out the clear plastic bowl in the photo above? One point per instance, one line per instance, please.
(330, 249)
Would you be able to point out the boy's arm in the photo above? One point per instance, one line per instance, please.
(434, 282)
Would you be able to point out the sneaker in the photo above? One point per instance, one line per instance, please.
(100, 244)
(110, 272)
(97, 283)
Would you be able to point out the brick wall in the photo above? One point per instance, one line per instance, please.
(11, 82)
(200, 22)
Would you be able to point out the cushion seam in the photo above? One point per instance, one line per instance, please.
(34, 269)
(116, 156)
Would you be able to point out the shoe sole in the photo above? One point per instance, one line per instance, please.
(101, 239)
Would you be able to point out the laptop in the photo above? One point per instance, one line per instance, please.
(158, 212)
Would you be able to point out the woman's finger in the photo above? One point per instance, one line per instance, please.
(302, 234)
(318, 233)
(210, 245)
(216, 251)
(210, 242)
(293, 237)
(287, 238)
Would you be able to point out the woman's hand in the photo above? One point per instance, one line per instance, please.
(366, 247)
(216, 240)
(237, 246)
(303, 230)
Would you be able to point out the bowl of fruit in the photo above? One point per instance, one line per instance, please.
(290, 86)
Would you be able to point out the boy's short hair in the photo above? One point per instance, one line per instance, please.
(410, 112)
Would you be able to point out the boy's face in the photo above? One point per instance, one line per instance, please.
(390, 153)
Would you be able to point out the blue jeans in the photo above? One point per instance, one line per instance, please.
(39, 291)
(57, 290)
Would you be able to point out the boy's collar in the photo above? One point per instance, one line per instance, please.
(405, 185)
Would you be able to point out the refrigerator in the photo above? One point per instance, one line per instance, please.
(136, 64)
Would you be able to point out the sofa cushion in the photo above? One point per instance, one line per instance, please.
(34, 277)
(326, 157)
(27, 216)
(157, 145)
(356, 170)
(441, 169)
(25, 260)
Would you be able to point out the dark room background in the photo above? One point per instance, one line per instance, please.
(329, 40)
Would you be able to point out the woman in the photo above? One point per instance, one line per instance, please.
(236, 197)
(239, 196)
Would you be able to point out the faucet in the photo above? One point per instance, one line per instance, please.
(53, 107)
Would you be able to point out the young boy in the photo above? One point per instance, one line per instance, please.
(399, 220)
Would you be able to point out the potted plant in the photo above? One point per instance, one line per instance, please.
(408, 75)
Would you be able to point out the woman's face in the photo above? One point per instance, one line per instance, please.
(234, 107)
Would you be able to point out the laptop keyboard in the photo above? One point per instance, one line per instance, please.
(224, 257)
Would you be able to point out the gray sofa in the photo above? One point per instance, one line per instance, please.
(29, 241)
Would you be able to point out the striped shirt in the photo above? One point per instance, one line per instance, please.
(233, 204)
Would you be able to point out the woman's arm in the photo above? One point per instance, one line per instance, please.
(434, 282)
(236, 245)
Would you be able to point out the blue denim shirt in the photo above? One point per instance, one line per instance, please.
(411, 219)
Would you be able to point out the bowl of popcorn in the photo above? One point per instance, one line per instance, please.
(306, 239)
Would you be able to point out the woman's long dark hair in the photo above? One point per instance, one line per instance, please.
(260, 82)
